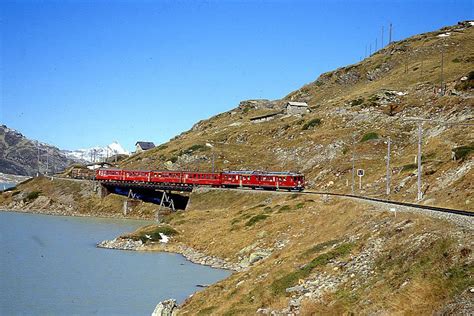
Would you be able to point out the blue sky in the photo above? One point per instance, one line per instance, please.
(81, 73)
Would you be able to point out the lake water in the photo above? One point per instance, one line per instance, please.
(50, 265)
(6, 185)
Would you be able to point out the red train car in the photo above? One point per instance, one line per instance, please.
(231, 179)
(202, 178)
(109, 174)
(136, 175)
(263, 180)
(174, 177)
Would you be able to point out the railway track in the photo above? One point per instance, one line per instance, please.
(358, 197)
(414, 205)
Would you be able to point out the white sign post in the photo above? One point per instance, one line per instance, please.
(360, 173)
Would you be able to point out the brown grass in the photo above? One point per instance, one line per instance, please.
(72, 197)
(314, 231)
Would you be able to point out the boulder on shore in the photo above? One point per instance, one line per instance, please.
(166, 308)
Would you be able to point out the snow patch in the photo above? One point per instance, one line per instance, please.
(164, 238)
(447, 34)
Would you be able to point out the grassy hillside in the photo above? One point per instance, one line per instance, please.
(325, 256)
(354, 109)
(69, 197)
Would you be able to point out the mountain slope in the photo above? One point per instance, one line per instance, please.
(353, 110)
(19, 155)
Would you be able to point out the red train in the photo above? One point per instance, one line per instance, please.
(230, 179)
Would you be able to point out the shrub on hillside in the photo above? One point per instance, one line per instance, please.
(462, 152)
(257, 218)
(466, 84)
(312, 123)
(409, 167)
(33, 195)
(194, 148)
(369, 136)
(357, 102)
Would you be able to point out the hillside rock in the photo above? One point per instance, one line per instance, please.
(19, 155)
(166, 308)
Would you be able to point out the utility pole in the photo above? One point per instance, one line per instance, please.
(390, 34)
(365, 56)
(47, 162)
(38, 173)
(389, 172)
(420, 121)
(420, 135)
(213, 161)
(375, 45)
(382, 38)
(442, 70)
(353, 164)
(370, 49)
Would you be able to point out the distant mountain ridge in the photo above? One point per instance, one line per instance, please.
(96, 153)
(19, 155)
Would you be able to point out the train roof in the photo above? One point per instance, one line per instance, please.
(234, 172)
(264, 173)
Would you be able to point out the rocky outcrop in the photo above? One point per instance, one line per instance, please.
(343, 272)
(121, 244)
(166, 308)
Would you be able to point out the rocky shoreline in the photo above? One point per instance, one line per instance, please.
(121, 243)
(70, 212)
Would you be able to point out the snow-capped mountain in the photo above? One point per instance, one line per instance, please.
(97, 153)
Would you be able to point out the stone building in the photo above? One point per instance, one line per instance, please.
(142, 146)
(295, 108)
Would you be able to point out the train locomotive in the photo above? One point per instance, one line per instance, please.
(230, 179)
